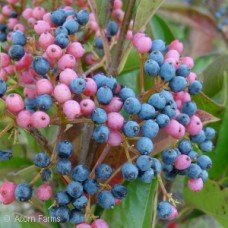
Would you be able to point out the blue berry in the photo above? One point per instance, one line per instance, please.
(183, 119)
(3, 88)
(164, 210)
(23, 192)
(52, 212)
(151, 68)
(170, 176)
(80, 173)
(170, 111)
(158, 45)
(126, 93)
(90, 186)
(46, 175)
(206, 146)
(103, 172)
(189, 108)
(44, 102)
(204, 175)
(77, 85)
(162, 120)
(198, 138)
(101, 134)
(62, 198)
(99, 78)
(99, 116)
(64, 149)
(209, 133)
(77, 217)
(168, 97)
(61, 30)
(157, 100)
(30, 104)
(167, 168)
(169, 156)
(62, 40)
(119, 191)
(63, 214)
(132, 106)
(147, 112)
(144, 162)
(80, 203)
(129, 172)
(150, 129)
(71, 26)
(19, 38)
(74, 189)
(131, 129)
(112, 28)
(83, 17)
(193, 171)
(16, 52)
(204, 162)
(110, 83)
(167, 72)
(185, 146)
(40, 65)
(193, 155)
(58, 17)
(157, 56)
(144, 146)
(178, 84)
(104, 95)
(156, 166)
(195, 87)
(106, 200)
(63, 166)
(41, 160)
(183, 71)
(3, 36)
(99, 43)
(147, 176)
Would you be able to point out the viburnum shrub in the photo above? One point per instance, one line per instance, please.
(51, 75)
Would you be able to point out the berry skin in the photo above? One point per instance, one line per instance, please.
(206, 146)
(24, 119)
(62, 93)
(199, 138)
(44, 102)
(40, 65)
(71, 26)
(71, 109)
(112, 28)
(193, 155)
(74, 189)
(144, 146)
(150, 129)
(7, 190)
(193, 171)
(129, 172)
(44, 86)
(23, 192)
(63, 166)
(99, 78)
(91, 87)
(41, 160)
(104, 95)
(151, 67)
(126, 93)
(77, 217)
(158, 45)
(195, 126)
(185, 146)
(114, 106)
(105, 199)
(90, 186)
(87, 106)
(83, 225)
(195, 185)
(162, 120)
(209, 133)
(183, 119)
(158, 101)
(119, 191)
(103, 172)
(144, 162)
(147, 112)
(58, 17)
(44, 192)
(16, 52)
(46, 175)
(83, 17)
(169, 156)
(182, 162)
(167, 72)
(99, 223)
(77, 85)
(195, 87)
(80, 203)
(157, 56)
(14, 102)
(98, 43)
(62, 40)
(115, 120)
(80, 173)
(204, 175)
(132, 106)
(174, 214)
(156, 166)
(189, 108)
(63, 214)
(204, 162)
(178, 84)
(64, 149)
(115, 138)
(183, 71)
(101, 134)
(147, 176)
(169, 111)
(18, 38)
(99, 116)
(164, 210)
(40, 119)
(131, 129)
(62, 198)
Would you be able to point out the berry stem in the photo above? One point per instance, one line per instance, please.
(155, 202)
(141, 75)
(125, 145)
(6, 129)
(95, 67)
(165, 193)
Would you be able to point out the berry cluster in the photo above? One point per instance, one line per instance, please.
(221, 16)
(58, 91)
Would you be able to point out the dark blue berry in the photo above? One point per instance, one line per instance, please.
(99, 116)
(77, 217)
(131, 129)
(58, 17)
(158, 45)
(132, 106)
(151, 68)
(83, 17)
(106, 200)
(112, 28)
(167, 72)
(129, 172)
(206, 146)
(156, 166)
(71, 26)
(150, 129)
(90, 186)
(103, 171)
(147, 112)
(183, 119)
(162, 120)
(16, 52)
(80, 173)
(104, 95)
(204, 162)
(144, 146)
(144, 162)
(189, 108)
(169, 156)
(44, 102)
(157, 56)
(62, 198)
(126, 93)
(178, 84)
(198, 138)
(157, 100)
(193, 171)
(41, 160)
(183, 71)
(46, 175)
(63, 214)
(3, 88)
(19, 38)
(119, 191)
(74, 189)
(23, 192)
(63, 166)
(80, 203)
(209, 133)
(164, 210)
(195, 87)
(147, 176)
(185, 146)
(99, 43)
(101, 134)
(40, 65)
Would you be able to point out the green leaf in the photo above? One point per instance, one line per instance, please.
(213, 76)
(160, 29)
(212, 200)
(145, 10)
(32, 225)
(103, 11)
(136, 210)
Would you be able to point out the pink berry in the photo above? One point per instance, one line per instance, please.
(91, 87)
(172, 54)
(87, 106)
(47, 18)
(71, 109)
(191, 77)
(99, 223)
(118, 201)
(44, 192)
(24, 119)
(41, 26)
(115, 138)
(186, 97)
(67, 75)
(93, 26)
(181, 132)
(12, 22)
(129, 35)
(172, 128)
(176, 45)
(118, 88)
(114, 106)
(19, 27)
(44, 86)
(4, 60)
(62, 93)
(115, 120)
(187, 61)
(27, 77)
(174, 214)
(173, 61)
(195, 185)
(38, 12)
(30, 93)
(7, 190)
(14, 102)
(45, 40)
(9, 69)
(89, 59)
(27, 13)
(7, 10)
(143, 44)
(182, 162)
(24, 62)
(31, 22)
(195, 125)
(136, 37)
(117, 4)
(3, 74)
(83, 225)
(54, 51)
(76, 49)
(66, 61)
(13, 1)
(52, 62)
(40, 119)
